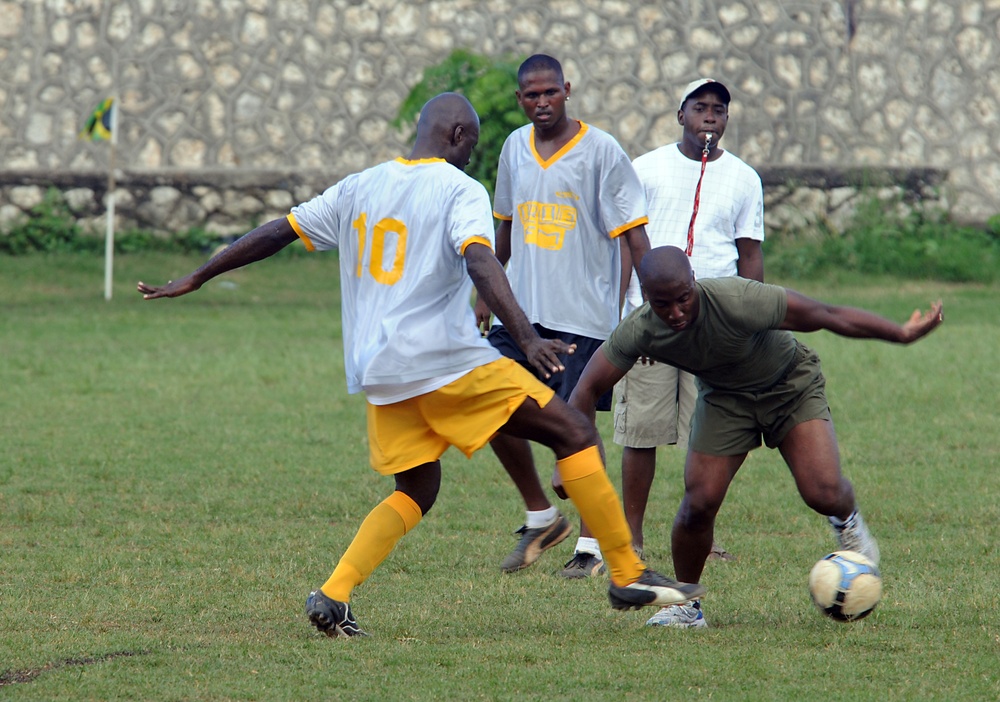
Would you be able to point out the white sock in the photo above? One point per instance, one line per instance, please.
(587, 544)
(541, 518)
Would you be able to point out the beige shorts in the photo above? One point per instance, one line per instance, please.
(653, 406)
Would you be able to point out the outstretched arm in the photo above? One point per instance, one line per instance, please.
(494, 289)
(266, 240)
(805, 315)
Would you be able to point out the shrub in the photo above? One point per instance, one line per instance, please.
(489, 84)
(884, 238)
(49, 227)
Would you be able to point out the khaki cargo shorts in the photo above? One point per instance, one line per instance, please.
(653, 406)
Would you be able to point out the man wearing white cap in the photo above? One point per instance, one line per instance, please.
(709, 203)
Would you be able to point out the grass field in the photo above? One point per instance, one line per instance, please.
(176, 475)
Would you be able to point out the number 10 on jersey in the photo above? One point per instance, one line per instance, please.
(376, 263)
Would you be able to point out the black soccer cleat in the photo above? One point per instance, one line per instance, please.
(331, 617)
(653, 590)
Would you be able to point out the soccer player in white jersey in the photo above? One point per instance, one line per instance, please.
(569, 205)
(654, 402)
(414, 235)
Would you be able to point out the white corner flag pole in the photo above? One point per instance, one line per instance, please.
(109, 235)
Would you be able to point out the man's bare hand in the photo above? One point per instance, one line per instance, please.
(173, 288)
(544, 354)
(921, 324)
(483, 313)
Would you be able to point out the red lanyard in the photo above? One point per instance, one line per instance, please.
(697, 200)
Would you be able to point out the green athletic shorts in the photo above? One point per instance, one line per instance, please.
(729, 423)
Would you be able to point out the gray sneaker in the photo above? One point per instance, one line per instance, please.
(685, 616)
(583, 565)
(653, 590)
(720, 554)
(331, 617)
(534, 542)
(854, 536)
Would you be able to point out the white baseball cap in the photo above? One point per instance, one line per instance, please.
(698, 85)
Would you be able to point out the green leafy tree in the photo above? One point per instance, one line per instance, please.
(489, 84)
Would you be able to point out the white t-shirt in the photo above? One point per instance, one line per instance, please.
(401, 228)
(731, 207)
(566, 214)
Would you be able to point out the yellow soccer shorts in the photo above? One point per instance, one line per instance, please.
(466, 414)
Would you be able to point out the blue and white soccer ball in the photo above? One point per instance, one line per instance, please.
(845, 585)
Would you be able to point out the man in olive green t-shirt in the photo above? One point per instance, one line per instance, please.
(756, 381)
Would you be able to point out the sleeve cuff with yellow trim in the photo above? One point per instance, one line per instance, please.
(476, 240)
(614, 233)
(505, 218)
(298, 230)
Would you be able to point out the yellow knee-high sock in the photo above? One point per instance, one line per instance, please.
(588, 486)
(377, 536)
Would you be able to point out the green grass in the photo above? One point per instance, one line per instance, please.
(176, 475)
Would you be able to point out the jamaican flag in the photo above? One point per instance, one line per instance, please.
(98, 126)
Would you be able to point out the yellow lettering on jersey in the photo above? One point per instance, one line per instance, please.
(567, 193)
(376, 264)
(545, 223)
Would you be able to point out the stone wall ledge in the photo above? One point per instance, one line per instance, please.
(228, 201)
(182, 179)
(913, 179)
(910, 180)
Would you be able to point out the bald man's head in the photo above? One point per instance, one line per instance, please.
(668, 281)
(664, 265)
(448, 128)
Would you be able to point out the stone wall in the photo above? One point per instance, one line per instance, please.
(224, 101)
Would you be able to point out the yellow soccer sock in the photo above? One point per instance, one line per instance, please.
(377, 536)
(587, 484)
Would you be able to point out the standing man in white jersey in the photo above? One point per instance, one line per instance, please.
(414, 235)
(567, 198)
(708, 202)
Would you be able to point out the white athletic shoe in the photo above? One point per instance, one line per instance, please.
(854, 536)
(684, 616)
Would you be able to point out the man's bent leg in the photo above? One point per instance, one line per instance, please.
(329, 608)
(638, 471)
(706, 480)
(516, 457)
(811, 452)
(379, 532)
(587, 484)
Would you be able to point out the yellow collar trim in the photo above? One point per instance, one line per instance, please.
(566, 148)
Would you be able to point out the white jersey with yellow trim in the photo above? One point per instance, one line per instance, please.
(566, 214)
(401, 228)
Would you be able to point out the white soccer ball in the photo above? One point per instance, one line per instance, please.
(845, 585)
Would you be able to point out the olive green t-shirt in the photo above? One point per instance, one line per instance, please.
(734, 344)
